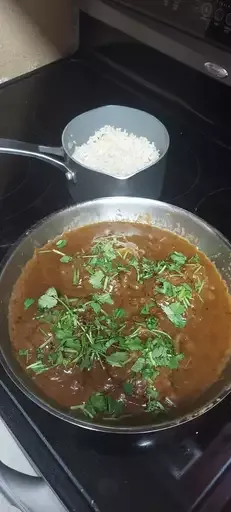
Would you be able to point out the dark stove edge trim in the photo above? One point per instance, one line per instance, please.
(41, 444)
(177, 44)
(215, 467)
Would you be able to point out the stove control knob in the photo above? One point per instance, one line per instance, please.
(206, 9)
(228, 19)
(219, 14)
(216, 70)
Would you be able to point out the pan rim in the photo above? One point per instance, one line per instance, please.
(116, 429)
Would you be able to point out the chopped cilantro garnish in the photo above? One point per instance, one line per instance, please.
(98, 403)
(28, 302)
(146, 308)
(194, 259)
(162, 354)
(104, 298)
(66, 259)
(37, 367)
(178, 257)
(23, 351)
(166, 288)
(153, 405)
(96, 279)
(119, 313)
(199, 285)
(138, 365)
(117, 359)
(174, 313)
(84, 332)
(128, 388)
(131, 343)
(147, 269)
(182, 292)
(95, 306)
(151, 323)
(75, 279)
(49, 299)
(61, 243)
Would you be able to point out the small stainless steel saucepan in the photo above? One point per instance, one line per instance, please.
(85, 182)
(212, 243)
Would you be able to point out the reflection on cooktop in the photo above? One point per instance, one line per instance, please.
(20, 185)
(182, 174)
(29, 190)
(216, 209)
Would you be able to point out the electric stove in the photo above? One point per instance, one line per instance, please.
(187, 468)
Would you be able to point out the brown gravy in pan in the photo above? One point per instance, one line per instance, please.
(120, 318)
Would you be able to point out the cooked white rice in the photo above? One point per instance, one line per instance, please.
(116, 152)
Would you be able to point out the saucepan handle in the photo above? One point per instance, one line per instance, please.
(28, 493)
(15, 147)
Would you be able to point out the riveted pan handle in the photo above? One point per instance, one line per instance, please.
(15, 147)
(28, 493)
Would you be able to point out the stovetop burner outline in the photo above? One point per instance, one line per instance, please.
(175, 174)
(215, 208)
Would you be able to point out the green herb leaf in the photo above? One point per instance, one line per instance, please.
(147, 269)
(155, 406)
(104, 298)
(28, 302)
(162, 353)
(178, 258)
(75, 279)
(128, 388)
(98, 402)
(114, 407)
(152, 323)
(117, 359)
(85, 409)
(149, 373)
(132, 343)
(194, 259)
(183, 292)
(96, 279)
(167, 288)
(104, 247)
(199, 285)
(95, 306)
(174, 313)
(152, 393)
(146, 308)
(66, 259)
(37, 367)
(23, 352)
(119, 313)
(138, 365)
(49, 299)
(61, 243)
(174, 361)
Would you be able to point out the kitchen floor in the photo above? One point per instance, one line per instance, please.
(12, 456)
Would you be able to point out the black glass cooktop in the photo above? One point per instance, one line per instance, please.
(179, 469)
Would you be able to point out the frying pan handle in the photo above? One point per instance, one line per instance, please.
(28, 493)
(15, 147)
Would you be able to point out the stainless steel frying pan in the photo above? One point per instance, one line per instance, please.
(86, 182)
(160, 214)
